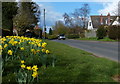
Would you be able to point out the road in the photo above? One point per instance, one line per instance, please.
(101, 49)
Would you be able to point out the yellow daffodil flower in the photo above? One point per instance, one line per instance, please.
(34, 68)
(22, 66)
(22, 61)
(10, 52)
(35, 74)
(43, 50)
(22, 48)
(32, 50)
(39, 45)
(0, 47)
(47, 51)
(44, 45)
(5, 45)
(38, 50)
(29, 67)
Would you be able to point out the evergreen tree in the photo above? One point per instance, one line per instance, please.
(9, 10)
(50, 31)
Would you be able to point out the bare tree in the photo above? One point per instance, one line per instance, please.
(78, 17)
(68, 20)
(84, 12)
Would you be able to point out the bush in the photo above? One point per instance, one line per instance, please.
(101, 32)
(52, 37)
(82, 35)
(72, 36)
(114, 32)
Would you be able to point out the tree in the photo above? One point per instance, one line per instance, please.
(68, 20)
(78, 17)
(28, 16)
(50, 31)
(60, 28)
(84, 12)
(9, 10)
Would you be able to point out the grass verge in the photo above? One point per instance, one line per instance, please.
(95, 39)
(75, 65)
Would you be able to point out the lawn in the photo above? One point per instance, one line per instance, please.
(95, 39)
(62, 64)
(75, 65)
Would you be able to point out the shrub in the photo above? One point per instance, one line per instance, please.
(72, 36)
(101, 32)
(114, 32)
(82, 35)
(52, 37)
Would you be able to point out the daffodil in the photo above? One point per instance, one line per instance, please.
(35, 74)
(43, 50)
(38, 50)
(32, 50)
(47, 51)
(0, 47)
(39, 45)
(22, 48)
(22, 61)
(34, 68)
(10, 52)
(44, 45)
(29, 67)
(5, 45)
(22, 66)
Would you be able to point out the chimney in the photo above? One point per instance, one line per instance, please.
(108, 18)
(101, 19)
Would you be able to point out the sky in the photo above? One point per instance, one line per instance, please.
(55, 10)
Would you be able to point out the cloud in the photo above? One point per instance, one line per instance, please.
(111, 8)
(51, 15)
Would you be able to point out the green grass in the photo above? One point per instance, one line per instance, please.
(75, 65)
(95, 39)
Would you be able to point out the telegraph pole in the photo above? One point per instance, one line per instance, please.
(44, 25)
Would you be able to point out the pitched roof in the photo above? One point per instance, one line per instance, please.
(96, 20)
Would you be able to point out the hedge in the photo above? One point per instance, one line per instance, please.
(114, 32)
(50, 37)
(101, 32)
(72, 36)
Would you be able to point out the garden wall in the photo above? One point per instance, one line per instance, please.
(90, 33)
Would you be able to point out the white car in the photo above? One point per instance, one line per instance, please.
(61, 36)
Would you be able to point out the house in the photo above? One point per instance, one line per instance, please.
(97, 20)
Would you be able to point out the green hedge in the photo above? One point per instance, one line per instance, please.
(52, 37)
(101, 32)
(72, 36)
(114, 32)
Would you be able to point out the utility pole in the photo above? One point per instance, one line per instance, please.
(44, 26)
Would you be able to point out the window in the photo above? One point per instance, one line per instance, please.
(90, 24)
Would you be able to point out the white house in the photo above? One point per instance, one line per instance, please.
(97, 20)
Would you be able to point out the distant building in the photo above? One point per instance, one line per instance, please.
(97, 20)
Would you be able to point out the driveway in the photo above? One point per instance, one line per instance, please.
(98, 48)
